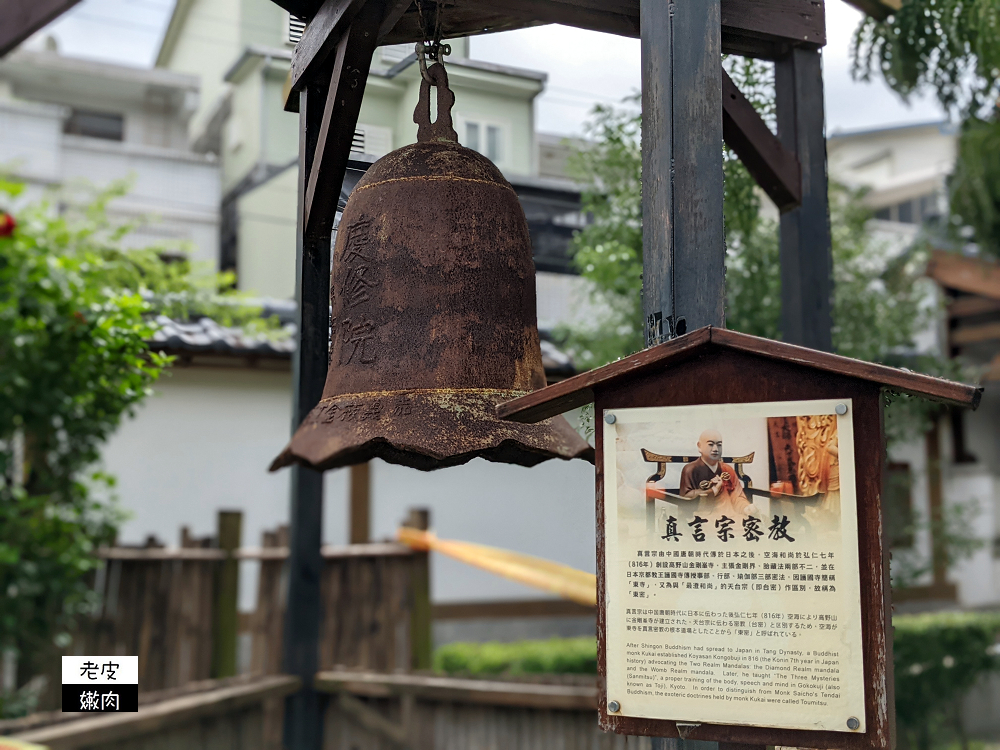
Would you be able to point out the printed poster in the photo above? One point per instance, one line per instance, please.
(731, 567)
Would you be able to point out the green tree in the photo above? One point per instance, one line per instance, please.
(975, 185)
(951, 48)
(75, 315)
(879, 299)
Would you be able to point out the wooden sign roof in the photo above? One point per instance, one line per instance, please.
(579, 390)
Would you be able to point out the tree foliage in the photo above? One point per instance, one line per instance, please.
(879, 303)
(75, 315)
(975, 185)
(937, 658)
(950, 46)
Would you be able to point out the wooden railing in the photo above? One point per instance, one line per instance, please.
(370, 711)
(209, 715)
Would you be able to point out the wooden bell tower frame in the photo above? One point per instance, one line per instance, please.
(690, 105)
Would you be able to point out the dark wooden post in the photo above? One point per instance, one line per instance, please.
(227, 583)
(683, 241)
(806, 255)
(421, 621)
(300, 641)
(935, 492)
(683, 237)
(360, 514)
(329, 104)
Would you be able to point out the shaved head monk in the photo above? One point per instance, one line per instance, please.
(715, 482)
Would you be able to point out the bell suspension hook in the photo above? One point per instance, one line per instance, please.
(442, 129)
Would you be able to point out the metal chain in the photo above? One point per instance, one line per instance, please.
(431, 45)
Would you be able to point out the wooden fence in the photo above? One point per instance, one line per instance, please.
(171, 608)
(376, 609)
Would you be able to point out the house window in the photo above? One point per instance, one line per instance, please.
(494, 143)
(294, 29)
(914, 211)
(488, 138)
(472, 135)
(898, 501)
(106, 125)
(373, 140)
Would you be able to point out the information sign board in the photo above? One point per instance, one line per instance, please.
(731, 565)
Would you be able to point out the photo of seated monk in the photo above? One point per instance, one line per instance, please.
(714, 482)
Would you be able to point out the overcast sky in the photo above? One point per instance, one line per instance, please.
(584, 67)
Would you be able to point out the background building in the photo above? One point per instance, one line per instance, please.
(905, 170)
(64, 120)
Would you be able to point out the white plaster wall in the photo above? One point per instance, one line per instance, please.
(175, 193)
(547, 510)
(204, 441)
(978, 578)
(209, 44)
(880, 158)
(201, 443)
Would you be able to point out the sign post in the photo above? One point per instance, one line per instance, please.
(743, 592)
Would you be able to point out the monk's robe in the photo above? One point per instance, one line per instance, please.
(730, 501)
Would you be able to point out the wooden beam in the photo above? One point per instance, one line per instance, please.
(974, 334)
(759, 28)
(227, 584)
(109, 728)
(421, 612)
(19, 19)
(303, 721)
(458, 690)
(511, 609)
(769, 28)
(372, 720)
(340, 117)
(775, 168)
(320, 38)
(806, 248)
(579, 390)
(620, 18)
(394, 12)
(971, 275)
(965, 307)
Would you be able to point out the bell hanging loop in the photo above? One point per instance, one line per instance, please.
(442, 129)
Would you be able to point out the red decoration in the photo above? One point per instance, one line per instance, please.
(7, 224)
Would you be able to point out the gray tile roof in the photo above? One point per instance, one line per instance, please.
(206, 336)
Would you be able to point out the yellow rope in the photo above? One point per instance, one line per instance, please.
(569, 583)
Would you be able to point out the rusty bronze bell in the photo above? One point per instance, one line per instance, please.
(433, 315)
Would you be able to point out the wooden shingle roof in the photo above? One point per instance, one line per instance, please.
(579, 390)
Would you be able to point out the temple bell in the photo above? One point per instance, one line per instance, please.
(433, 315)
